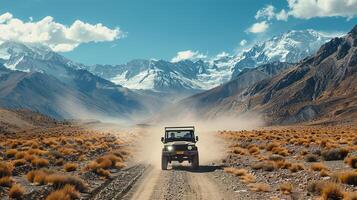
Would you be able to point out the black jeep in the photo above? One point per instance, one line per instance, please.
(179, 145)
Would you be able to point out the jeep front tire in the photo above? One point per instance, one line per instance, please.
(164, 162)
(195, 162)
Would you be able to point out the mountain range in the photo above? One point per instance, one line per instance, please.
(39, 79)
(193, 76)
(36, 78)
(319, 89)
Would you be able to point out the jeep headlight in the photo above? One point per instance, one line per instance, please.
(189, 147)
(170, 148)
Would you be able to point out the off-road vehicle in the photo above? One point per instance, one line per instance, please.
(179, 145)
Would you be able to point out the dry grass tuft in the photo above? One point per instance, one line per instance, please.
(103, 172)
(235, 171)
(318, 167)
(352, 162)
(11, 153)
(69, 167)
(259, 187)
(16, 191)
(332, 191)
(19, 162)
(311, 158)
(38, 176)
(68, 192)
(39, 162)
(296, 167)
(5, 169)
(349, 177)
(59, 181)
(334, 154)
(6, 181)
(315, 187)
(286, 188)
(324, 173)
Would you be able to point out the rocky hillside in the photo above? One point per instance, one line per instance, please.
(322, 87)
(246, 78)
(79, 94)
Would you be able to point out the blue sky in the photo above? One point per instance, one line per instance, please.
(161, 28)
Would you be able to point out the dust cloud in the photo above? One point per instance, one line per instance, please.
(146, 136)
(211, 147)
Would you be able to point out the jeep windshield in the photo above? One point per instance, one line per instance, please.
(179, 135)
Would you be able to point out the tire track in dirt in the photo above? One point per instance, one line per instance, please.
(178, 183)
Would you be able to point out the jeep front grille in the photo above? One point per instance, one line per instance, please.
(180, 147)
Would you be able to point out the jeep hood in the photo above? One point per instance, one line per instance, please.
(179, 143)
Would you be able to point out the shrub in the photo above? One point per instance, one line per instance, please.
(6, 181)
(247, 178)
(39, 162)
(282, 164)
(38, 176)
(59, 162)
(318, 167)
(5, 169)
(311, 158)
(59, 181)
(324, 173)
(352, 161)
(348, 177)
(19, 162)
(334, 154)
(286, 188)
(29, 157)
(296, 167)
(268, 166)
(16, 191)
(235, 171)
(103, 172)
(68, 192)
(257, 165)
(259, 187)
(69, 167)
(20, 155)
(315, 187)
(332, 191)
(239, 151)
(254, 150)
(10, 153)
(120, 165)
(276, 158)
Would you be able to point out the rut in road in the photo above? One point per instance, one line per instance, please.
(178, 183)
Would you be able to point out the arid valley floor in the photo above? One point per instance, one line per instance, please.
(45, 159)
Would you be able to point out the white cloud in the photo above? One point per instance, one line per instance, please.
(258, 27)
(282, 15)
(188, 55)
(5, 17)
(265, 13)
(58, 37)
(306, 9)
(243, 43)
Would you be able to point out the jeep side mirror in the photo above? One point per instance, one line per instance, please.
(162, 139)
(196, 138)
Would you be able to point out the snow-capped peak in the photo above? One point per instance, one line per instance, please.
(290, 47)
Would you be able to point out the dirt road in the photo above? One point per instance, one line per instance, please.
(180, 182)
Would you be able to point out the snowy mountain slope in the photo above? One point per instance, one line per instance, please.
(290, 47)
(187, 75)
(36, 78)
(160, 75)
